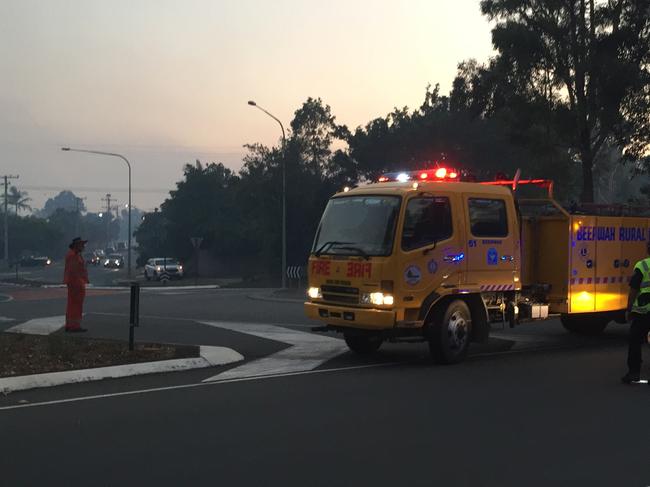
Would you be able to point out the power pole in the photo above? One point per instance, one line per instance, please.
(108, 202)
(7, 177)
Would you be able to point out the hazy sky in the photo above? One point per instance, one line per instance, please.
(166, 82)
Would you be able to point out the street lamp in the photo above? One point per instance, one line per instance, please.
(128, 164)
(284, 194)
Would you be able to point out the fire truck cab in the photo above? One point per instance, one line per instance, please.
(423, 256)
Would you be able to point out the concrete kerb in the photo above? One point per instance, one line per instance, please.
(274, 298)
(142, 288)
(209, 357)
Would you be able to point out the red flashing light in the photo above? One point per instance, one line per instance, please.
(439, 174)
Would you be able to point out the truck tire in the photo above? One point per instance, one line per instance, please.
(449, 333)
(363, 344)
(588, 324)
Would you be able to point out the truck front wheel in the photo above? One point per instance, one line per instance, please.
(585, 323)
(449, 334)
(363, 344)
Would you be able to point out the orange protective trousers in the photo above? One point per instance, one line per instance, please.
(74, 308)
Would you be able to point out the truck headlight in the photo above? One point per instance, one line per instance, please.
(314, 293)
(378, 299)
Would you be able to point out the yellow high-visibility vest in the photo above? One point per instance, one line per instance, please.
(643, 266)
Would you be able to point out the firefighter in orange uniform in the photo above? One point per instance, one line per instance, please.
(75, 277)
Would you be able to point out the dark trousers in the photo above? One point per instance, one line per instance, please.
(636, 339)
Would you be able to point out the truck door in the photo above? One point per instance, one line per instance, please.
(492, 252)
(431, 250)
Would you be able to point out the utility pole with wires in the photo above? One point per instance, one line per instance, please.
(7, 177)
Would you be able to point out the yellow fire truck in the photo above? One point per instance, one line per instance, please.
(424, 256)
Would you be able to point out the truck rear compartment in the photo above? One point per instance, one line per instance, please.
(581, 263)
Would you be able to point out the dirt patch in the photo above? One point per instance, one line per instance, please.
(32, 354)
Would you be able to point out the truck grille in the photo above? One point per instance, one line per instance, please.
(340, 294)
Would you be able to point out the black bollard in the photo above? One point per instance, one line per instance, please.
(135, 313)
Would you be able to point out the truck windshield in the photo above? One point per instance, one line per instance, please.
(358, 225)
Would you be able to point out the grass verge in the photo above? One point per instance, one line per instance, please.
(34, 354)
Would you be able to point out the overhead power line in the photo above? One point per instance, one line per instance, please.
(96, 189)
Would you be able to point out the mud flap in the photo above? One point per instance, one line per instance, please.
(480, 321)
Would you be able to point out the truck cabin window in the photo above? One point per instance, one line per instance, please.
(488, 217)
(427, 220)
(358, 225)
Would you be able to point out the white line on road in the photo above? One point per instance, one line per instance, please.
(258, 378)
(194, 385)
(39, 326)
(307, 352)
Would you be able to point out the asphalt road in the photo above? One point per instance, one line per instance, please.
(533, 407)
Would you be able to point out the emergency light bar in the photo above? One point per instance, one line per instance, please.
(436, 174)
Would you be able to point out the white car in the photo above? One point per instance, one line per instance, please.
(156, 267)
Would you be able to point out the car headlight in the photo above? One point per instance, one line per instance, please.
(158, 268)
(180, 267)
(378, 299)
(48, 262)
(107, 262)
(314, 293)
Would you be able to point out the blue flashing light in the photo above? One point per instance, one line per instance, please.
(457, 257)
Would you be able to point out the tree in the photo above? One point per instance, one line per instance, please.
(151, 236)
(444, 130)
(65, 200)
(18, 199)
(589, 59)
(202, 206)
(32, 235)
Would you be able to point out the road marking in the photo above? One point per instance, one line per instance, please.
(39, 326)
(307, 352)
(4, 319)
(193, 385)
(263, 377)
(6, 298)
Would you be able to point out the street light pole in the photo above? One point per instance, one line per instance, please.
(284, 193)
(128, 164)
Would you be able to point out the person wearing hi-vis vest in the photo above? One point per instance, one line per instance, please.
(638, 313)
(75, 277)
